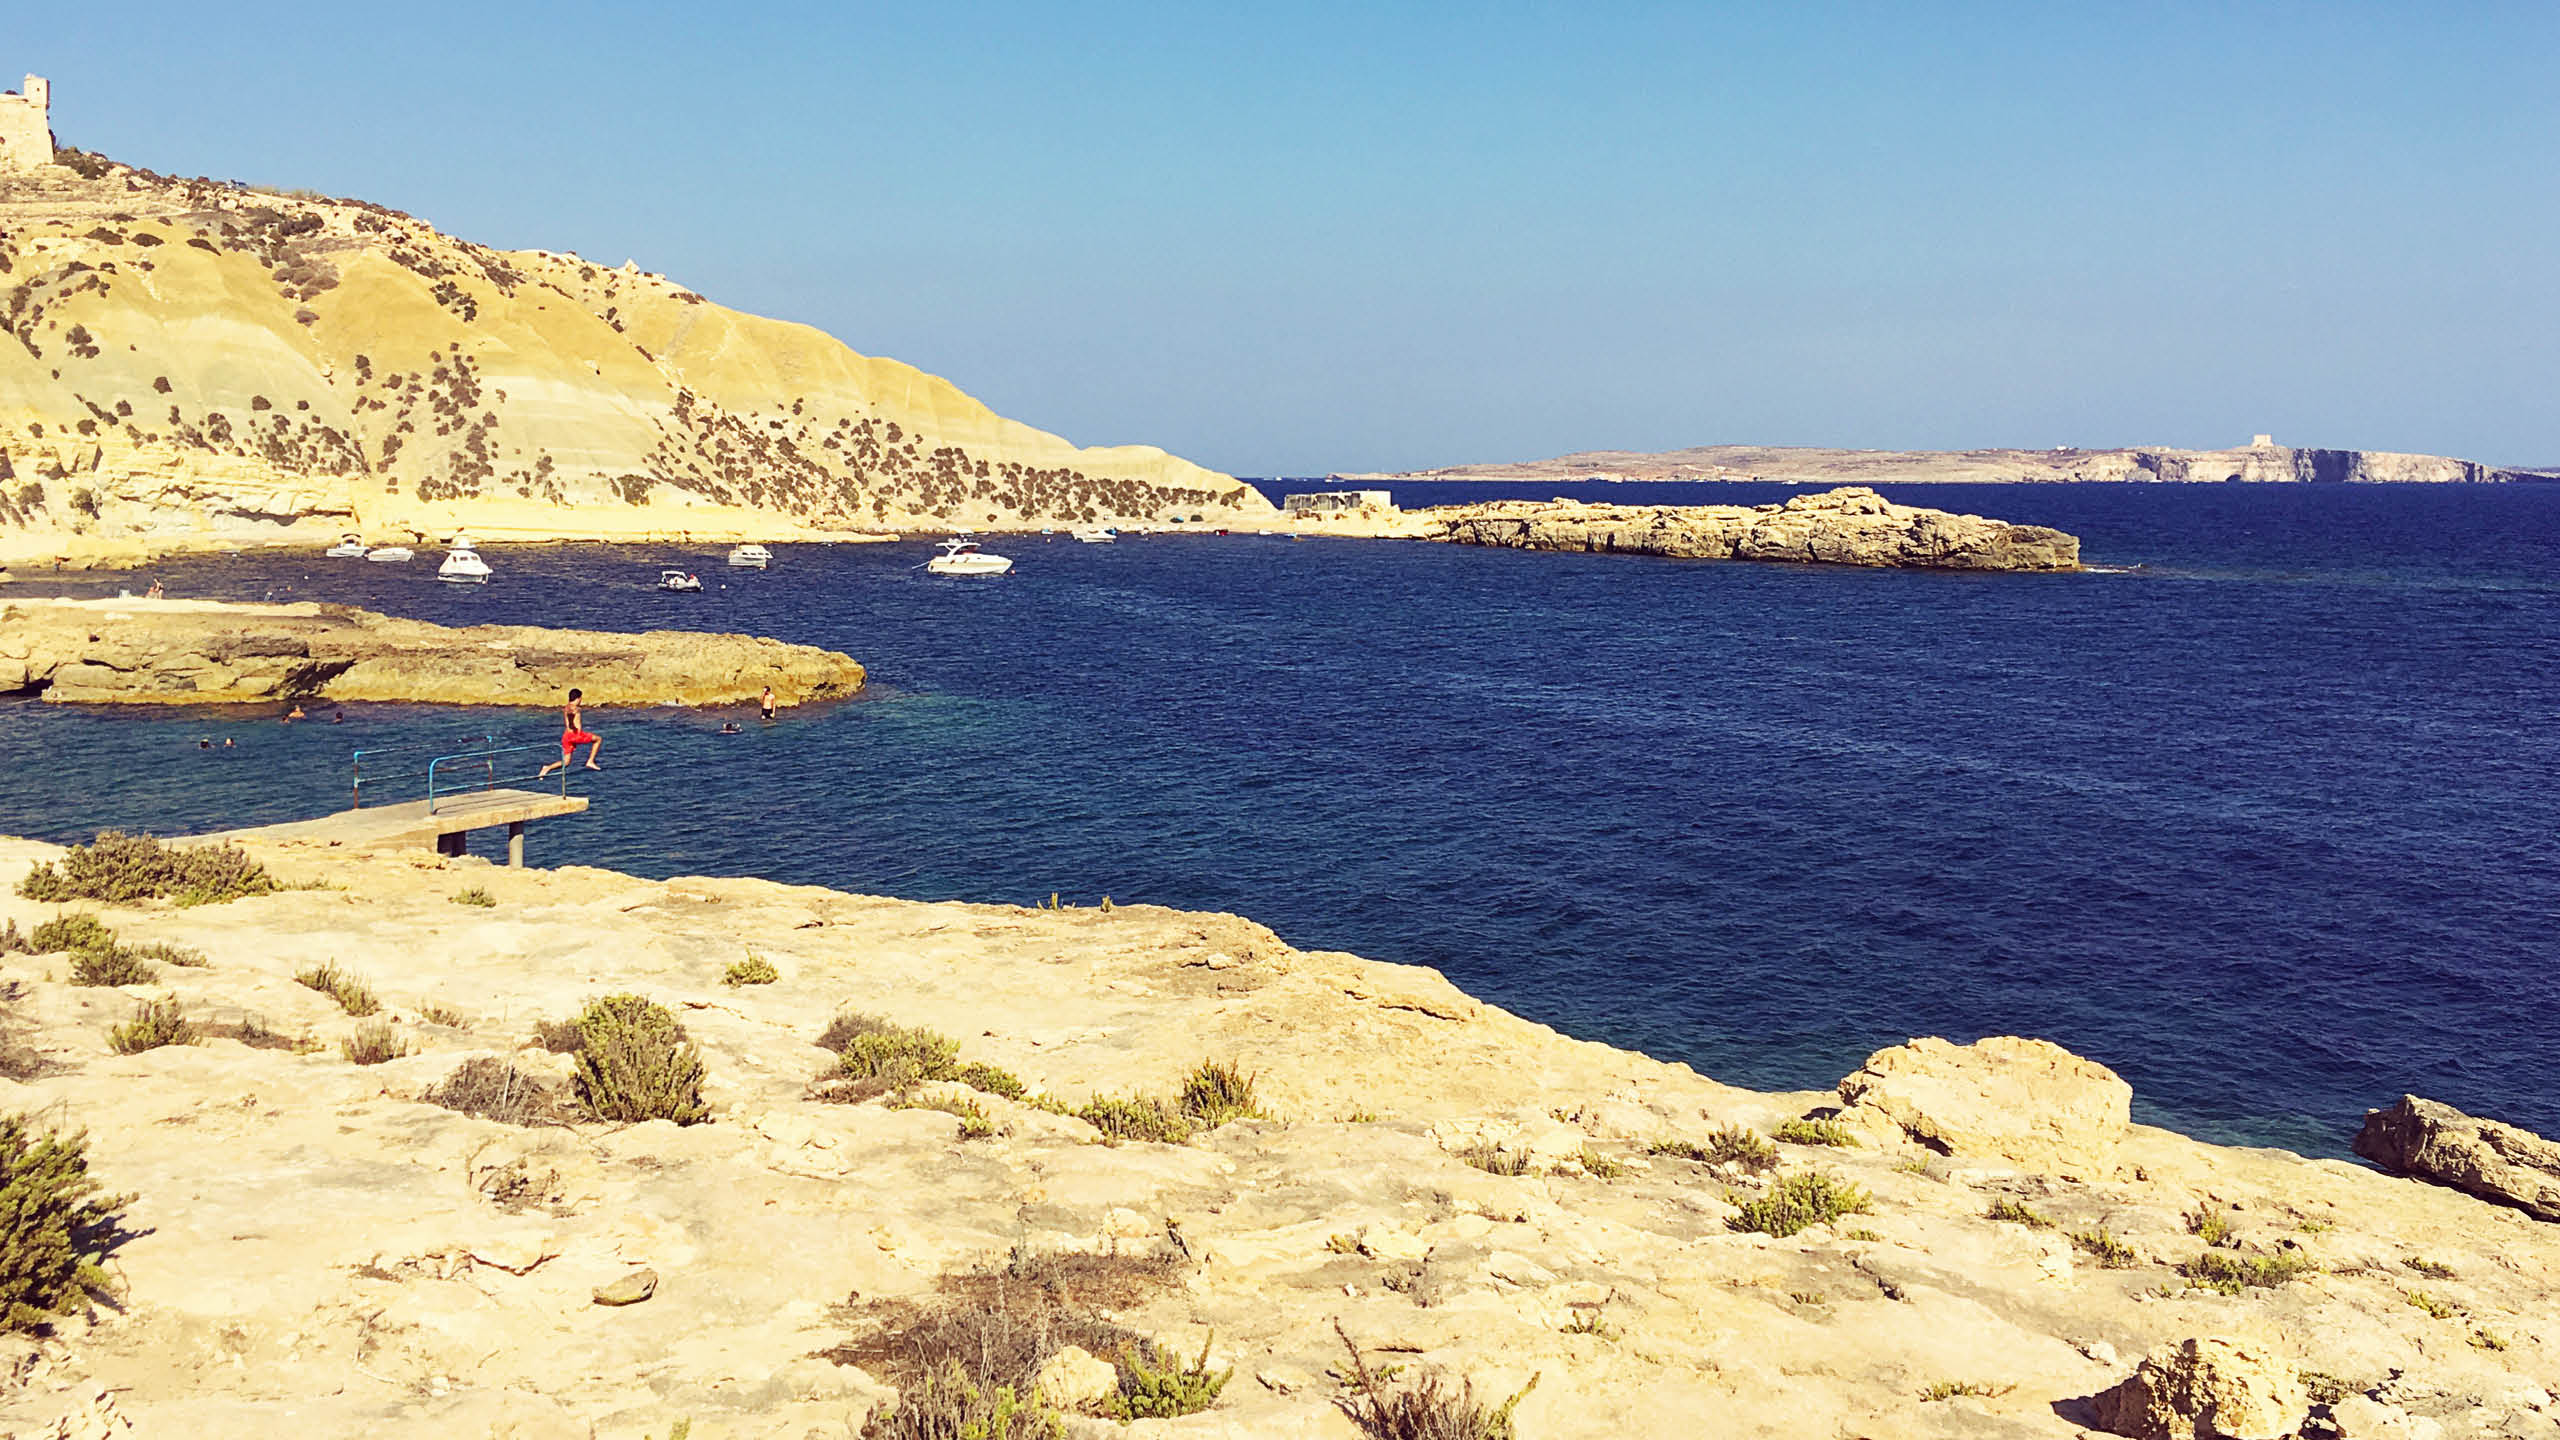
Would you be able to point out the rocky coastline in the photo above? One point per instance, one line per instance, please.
(1962, 1239)
(1851, 525)
(131, 651)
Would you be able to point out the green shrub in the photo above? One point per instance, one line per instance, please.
(634, 1063)
(1424, 1408)
(2435, 1309)
(1599, 1166)
(118, 868)
(353, 995)
(1217, 1093)
(559, 1037)
(477, 895)
(1814, 1132)
(1153, 1390)
(2210, 1227)
(155, 1023)
(14, 941)
(870, 1048)
(1727, 1145)
(992, 1080)
(2018, 1213)
(974, 1124)
(114, 966)
(945, 1404)
(1138, 1117)
(1492, 1159)
(168, 954)
(1957, 1389)
(2226, 1273)
(56, 1229)
(1797, 1201)
(373, 1043)
(436, 1012)
(72, 934)
(2110, 1252)
(754, 970)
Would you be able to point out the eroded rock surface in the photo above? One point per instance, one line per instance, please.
(184, 652)
(2209, 1389)
(1848, 526)
(2029, 1102)
(2434, 1141)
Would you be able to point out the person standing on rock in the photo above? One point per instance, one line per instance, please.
(573, 733)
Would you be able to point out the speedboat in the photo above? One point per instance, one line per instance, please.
(750, 557)
(391, 555)
(1099, 535)
(349, 547)
(678, 582)
(963, 557)
(463, 565)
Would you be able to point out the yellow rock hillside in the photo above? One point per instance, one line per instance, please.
(191, 363)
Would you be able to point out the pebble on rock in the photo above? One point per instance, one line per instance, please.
(631, 1289)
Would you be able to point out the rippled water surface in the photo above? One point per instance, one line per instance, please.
(2265, 822)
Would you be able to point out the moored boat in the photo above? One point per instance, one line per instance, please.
(390, 554)
(678, 582)
(963, 557)
(750, 557)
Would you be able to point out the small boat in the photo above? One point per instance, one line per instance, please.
(391, 555)
(1099, 535)
(750, 557)
(963, 557)
(463, 566)
(679, 582)
(349, 547)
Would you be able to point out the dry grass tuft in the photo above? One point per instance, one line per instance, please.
(494, 1089)
(1424, 1408)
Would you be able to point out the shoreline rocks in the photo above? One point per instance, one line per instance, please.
(2029, 1102)
(199, 652)
(2433, 1141)
(1851, 525)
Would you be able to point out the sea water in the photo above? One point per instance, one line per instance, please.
(2260, 813)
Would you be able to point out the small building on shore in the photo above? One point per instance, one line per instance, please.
(1324, 502)
(26, 127)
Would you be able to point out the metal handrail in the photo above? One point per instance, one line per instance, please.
(483, 765)
(358, 758)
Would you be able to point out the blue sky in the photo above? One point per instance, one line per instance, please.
(1299, 238)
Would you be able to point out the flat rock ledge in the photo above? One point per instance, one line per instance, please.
(2433, 1141)
(187, 652)
(1848, 526)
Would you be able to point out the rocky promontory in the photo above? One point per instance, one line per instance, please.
(380, 1185)
(1851, 525)
(191, 652)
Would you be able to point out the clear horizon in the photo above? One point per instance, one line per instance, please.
(1332, 238)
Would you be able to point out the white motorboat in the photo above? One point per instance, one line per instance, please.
(963, 557)
(463, 565)
(349, 547)
(750, 557)
(1099, 535)
(391, 555)
(681, 582)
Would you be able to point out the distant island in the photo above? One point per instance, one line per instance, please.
(2262, 461)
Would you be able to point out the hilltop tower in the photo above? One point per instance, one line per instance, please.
(26, 131)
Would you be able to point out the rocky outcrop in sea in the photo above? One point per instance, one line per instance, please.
(1851, 525)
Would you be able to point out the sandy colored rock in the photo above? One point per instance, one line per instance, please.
(1074, 1379)
(631, 1289)
(194, 366)
(2207, 1389)
(2029, 1102)
(2436, 1142)
(189, 652)
(1847, 526)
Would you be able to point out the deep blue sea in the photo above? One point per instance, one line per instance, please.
(2265, 820)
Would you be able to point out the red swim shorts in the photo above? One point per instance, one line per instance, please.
(573, 739)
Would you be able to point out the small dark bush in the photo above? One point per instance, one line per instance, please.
(353, 995)
(993, 1080)
(1138, 1117)
(477, 895)
(118, 868)
(2110, 1252)
(155, 1023)
(56, 1229)
(112, 966)
(373, 1044)
(1217, 1093)
(1153, 1389)
(634, 1063)
(560, 1037)
(2226, 1273)
(496, 1090)
(168, 954)
(2018, 1213)
(1492, 1159)
(1798, 1201)
(1814, 1132)
(1424, 1408)
(14, 941)
(754, 970)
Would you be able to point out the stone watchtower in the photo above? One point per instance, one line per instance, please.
(26, 134)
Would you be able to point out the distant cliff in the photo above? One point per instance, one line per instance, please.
(1847, 526)
(2247, 463)
(193, 362)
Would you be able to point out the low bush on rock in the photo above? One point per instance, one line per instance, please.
(118, 868)
(1492, 1159)
(353, 995)
(1423, 1408)
(635, 1063)
(1815, 1132)
(754, 970)
(2211, 1227)
(560, 1037)
(876, 1057)
(494, 1089)
(2017, 1212)
(1726, 1145)
(1136, 1117)
(1153, 1389)
(374, 1043)
(56, 1228)
(2110, 1252)
(98, 958)
(112, 966)
(14, 941)
(1798, 1201)
(155, 1023)
(477, 896)
(974, 1124)
(72, 934)
(2228, 1274)
(1217, 1093)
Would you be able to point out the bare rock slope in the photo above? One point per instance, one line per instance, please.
(1848, 526)
(191, 362)
(322, 1251)
(193, 652)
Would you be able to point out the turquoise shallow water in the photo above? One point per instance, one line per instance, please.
(2266, 822)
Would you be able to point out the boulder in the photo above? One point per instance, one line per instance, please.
(2433, 1141)
(1075, 1378)
(2207, 1390)
(2029, 1102)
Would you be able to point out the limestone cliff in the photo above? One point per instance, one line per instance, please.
(1848, 526)
(191, 362)
(193, 652)
(1807, 464)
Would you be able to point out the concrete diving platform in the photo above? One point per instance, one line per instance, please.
(412, 825)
